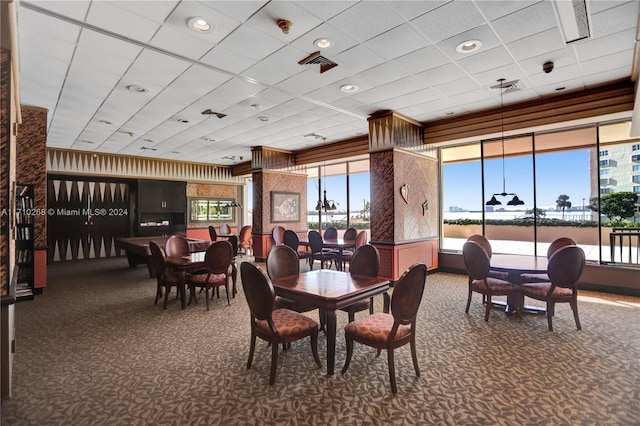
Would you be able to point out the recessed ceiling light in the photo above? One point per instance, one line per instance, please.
(200, 24)
(349, 88)
(263, 118)
(323, 43)
(137, 89)
(468, 46)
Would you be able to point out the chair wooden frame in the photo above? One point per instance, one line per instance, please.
(218, 260)
(565, 268)
(407, 295)
(477, 262)
(267, 322)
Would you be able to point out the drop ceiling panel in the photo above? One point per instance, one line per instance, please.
(365, 20)
(486, 60)
(108, 45)
(115, 19)
(420, 60)
(545, 41)
(448, 20)
(227, 60)
(396, 42)
(323, 9)
(47, 26)
(262, 45)
(179, 42)
(377, 46)
(526, 22)
(615, 19)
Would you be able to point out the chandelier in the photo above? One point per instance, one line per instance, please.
(515, 201)
(326, 205)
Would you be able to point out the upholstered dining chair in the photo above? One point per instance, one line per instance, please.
(213, 234)
(278, 235)
(476, 260)
(565, 268)
(282, 261)
(176, 245)
(482, 241)
(291, 240)
(556, 244)
(350, 234)
(361, 239)
(275, 326)
(225, 229)
(390, 331)
(315, 241)
(218, 259)
(331, 233)
(246, 240)
(233, 239)
(164, 276)
(365, 261)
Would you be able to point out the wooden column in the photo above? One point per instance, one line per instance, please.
(404, 194)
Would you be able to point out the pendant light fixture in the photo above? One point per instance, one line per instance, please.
(324, 204)
(515, 201)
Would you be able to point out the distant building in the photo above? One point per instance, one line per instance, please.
(619, 166)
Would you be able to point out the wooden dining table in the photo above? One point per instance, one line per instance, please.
(183, 264)
(339, 244)
(515, 265)
(329, 290)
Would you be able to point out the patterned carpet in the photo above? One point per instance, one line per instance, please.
(94, 350)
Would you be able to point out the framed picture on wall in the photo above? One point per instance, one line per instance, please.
(285, 206)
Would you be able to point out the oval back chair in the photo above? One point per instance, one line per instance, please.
(390, 331)
(164, 277)
(477, 262)
(278, 234)
(217, 259)
(282, 261)
(292, 240)
(225, 229)
(365, 261)
(246, 239)
(565, 268)
(213, 234)
(176, 245)
(331, 233)
(555, 245)
(273, 326)
(350, 234)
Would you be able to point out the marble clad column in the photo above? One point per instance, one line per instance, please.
(404, 194)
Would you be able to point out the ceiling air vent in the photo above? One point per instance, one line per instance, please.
(217, 114)
(507, 86)
(317, 58)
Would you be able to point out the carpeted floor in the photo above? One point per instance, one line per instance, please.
(94, 350)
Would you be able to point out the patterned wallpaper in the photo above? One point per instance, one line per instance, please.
(277, 181)
(32, 164)
(394, 220)
(5, 74)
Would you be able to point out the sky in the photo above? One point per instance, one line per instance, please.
(561, 173)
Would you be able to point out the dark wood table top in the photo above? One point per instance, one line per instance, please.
(337, 243)
(519, 263)
(140, 245)
(328, 288)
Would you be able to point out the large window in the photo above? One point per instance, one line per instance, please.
(347, 188)
(211, 210)
(562, 178)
